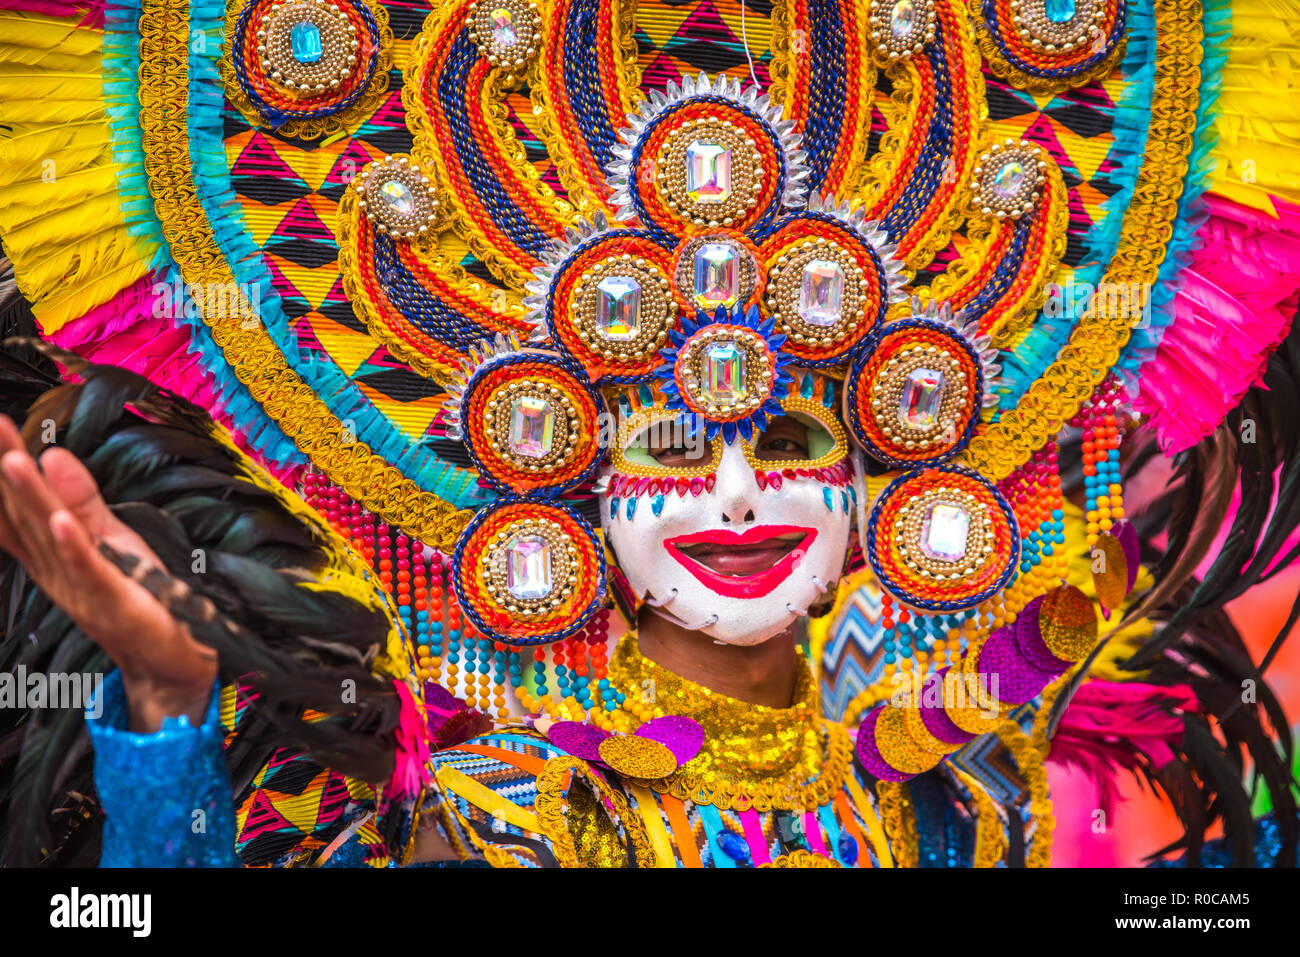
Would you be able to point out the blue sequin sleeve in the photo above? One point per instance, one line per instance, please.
(166, 795)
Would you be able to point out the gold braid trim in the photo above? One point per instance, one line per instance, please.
(990, 835)
(1095, 344)
(802, 858)
(1029, 759)
(551, 808)
(899, 818)
(786, 793)
(252, 355)
(345, 120)
(1036, 84)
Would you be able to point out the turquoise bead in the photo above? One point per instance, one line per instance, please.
(734, 846)
(305, 42)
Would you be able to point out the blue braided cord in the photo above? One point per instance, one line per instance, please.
(873, 523)
(1006, 272)
(936, 152)
(1024, 364)
(583, 85)
(341, 396)
(859, 364)
(995, 31)
(453, 85)
(459, 570)
(827, 90)
(1217, 22)
(277, 116)
(420, 306)
(540, 494)
(121, 65)
(762, 226)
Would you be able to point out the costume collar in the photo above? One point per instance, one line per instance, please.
(752, 754)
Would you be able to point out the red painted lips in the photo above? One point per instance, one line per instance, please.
(746, 564)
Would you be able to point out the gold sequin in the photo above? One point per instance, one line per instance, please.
(636, 757)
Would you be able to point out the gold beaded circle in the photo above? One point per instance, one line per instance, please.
(684, 269)
(567, 424)
(746, 172)
(785, 292)
(656, 313)
(758, 365)
(564, 564)
(339, 45)
(887, 394)
(1008, 180)
(909, 529)
(900, 28)
(506, 32)
(1047, 36)
(396, 196)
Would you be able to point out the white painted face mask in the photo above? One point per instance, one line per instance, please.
(733, 558)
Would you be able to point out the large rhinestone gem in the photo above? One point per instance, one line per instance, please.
(1059, 11)
(821, 293)
(944, 532)
(305, 42)
(398, 197)
(724, 372)
(918, 406)
(902, 19)
(618, 307)
(528, 568)
(532, 426)
(708, 172)
(717, 275)
(503, 28)
(1009, 179)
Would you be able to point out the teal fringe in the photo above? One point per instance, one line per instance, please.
(120, 57)
(341, 396)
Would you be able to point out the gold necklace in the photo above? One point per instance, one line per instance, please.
(753, 755)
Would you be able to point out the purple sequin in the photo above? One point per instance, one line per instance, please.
(869, 754)
(578, 739)
(935, 718)
(1029, 638)
(1018, 680)
(682, 736)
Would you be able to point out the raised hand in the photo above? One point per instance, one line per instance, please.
(52, 519)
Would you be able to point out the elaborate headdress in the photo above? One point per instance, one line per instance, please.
(938, 229)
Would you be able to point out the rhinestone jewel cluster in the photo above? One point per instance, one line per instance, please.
(726, 372)
(622, 307)
(709, 171)
(900, 28)
(1008, 180)
(307, 46)
(395, 196)
(506, 32)
(816, 292)
(1058, 26)
(919, 396)
(530, 567)
(532, 425)
(943, 534)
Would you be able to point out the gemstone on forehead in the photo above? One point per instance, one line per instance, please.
(717, 275)
(532, 426)
(305, 42)
(821, 292)
(1059, 11)
(398, 197)
(528, 568)
(1009, 179)
(503, 27)
(944, 532)
(618, 307)
(708, 172)
(902, 19)
(922, 397)
(724, 372)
